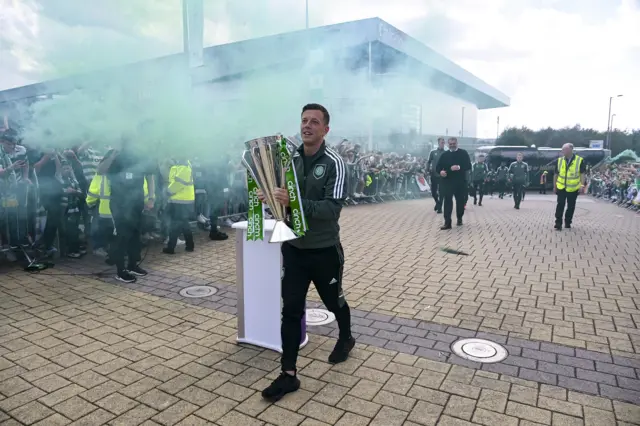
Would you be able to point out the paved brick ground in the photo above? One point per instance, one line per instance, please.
(78, 350)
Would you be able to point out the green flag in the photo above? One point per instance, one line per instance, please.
(298, 221)
(255, 220)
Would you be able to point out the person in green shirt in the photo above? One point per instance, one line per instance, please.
(479, 172)
(519, 173)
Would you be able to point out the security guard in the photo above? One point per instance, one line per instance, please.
(318, 255)
(180, 204)
(99, 195)
(568, 182)
(519, 173)
(128, 169)
(434, 156)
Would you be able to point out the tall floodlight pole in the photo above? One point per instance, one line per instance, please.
(462, 124)
(608, 137)
(370, 89)
(498, 129)
(193, 31)
(306, 13)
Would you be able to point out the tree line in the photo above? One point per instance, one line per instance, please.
(555, 138)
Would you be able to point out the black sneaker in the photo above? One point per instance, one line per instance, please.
(459, 222)
(168, 251)
(137, 271)
(439, 211)
(284, 384)
(445, 227)
(567, 225)
(189, 249)
(341, 351)
(558, 227)
(125, 277)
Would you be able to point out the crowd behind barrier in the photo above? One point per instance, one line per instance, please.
(44, 194)
(44, 207)
(619, 184)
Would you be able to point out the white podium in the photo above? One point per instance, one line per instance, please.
(258, 277)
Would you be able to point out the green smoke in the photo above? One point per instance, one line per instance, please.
(154, 106)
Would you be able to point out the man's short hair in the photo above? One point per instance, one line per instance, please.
(519, 154)
(9, 135)
(453, 139)
(318, 107)
(440, 139)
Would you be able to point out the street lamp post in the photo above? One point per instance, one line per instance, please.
(306, 13)
(462, 124)
(611, 125)
(609, 119)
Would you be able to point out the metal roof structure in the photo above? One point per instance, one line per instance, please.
(235, 59)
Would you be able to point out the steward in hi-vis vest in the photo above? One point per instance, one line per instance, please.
(100, 194)
(181, 202)
(568, 183)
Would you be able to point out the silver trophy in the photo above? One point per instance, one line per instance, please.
(266, 163)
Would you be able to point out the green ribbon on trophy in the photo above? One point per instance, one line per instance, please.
(298, 221)
(255, 220)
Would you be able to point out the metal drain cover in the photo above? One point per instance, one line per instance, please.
(319, 317)
(198, 291)
(479, 350)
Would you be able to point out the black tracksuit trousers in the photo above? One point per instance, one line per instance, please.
(324, 267)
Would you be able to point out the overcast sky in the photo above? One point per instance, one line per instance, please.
(558, 60)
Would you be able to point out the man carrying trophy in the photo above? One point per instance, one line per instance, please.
(315, 253)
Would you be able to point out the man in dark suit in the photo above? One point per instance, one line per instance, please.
(452, 167)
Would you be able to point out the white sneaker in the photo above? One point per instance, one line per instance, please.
(100, 252)
(178, 243)
(202, 219)
(228, 223)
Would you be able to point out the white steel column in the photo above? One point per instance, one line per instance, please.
(193, 31)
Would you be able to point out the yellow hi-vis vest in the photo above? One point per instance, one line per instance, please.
(100, 193)
(569, 179)
(181, 190)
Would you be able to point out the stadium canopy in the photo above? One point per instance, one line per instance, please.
(384, 44)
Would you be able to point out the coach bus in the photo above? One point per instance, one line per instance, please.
(539, 159)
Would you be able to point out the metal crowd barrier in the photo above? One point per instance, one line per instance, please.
(21, 221)
(383, 187)
(29, 225)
